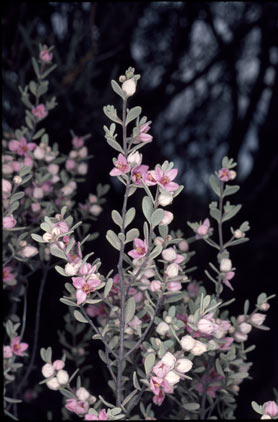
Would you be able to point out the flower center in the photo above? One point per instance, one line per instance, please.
(151, 178)
(138, 176)
(86, 289)
(164, 180)
(121, 166)
(141, 251)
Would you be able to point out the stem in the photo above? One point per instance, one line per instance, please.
(36, 331)
(205, 387)
(221, 244)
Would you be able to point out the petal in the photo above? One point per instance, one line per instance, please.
(15, 341)
(139, 243)
(172, 173)
(122, 159)
(171, 186)
(78, 282)
(93, 282)
(115, 172)
(133, 254)
(23, 346)
(80, 296)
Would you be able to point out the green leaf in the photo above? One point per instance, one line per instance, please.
(79, 317)
(257, 408)
(60, 270)
(135, 381)
(156, 251)
(214, 184)
(111, 113)
(66, 393)
(130, 309)
(215, 213)
(149, 362)
(238, 241)
(17, 196)
(230, 214)
(147, 207)
(246, 306)
(131, 235)
(37, 238)
(130, 214)
(115, 145)
(191, 406)
(108, 286)
(13, 207)
(116, 88)
(157, 217)
(38, 134)
(36, 67)
(219, 367)
(48, 71)
(113, 239)
(116, 217)
(57, 252)
(48, 354)
(230, 190)
(133, 114)
(67, 302)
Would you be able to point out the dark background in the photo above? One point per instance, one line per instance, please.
(209, 84)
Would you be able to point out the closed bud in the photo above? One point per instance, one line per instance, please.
(58, 364)
(129, 87)
(47, 237)
(48, 370)
(167, 219)
(53, 384)
(245, 328)
(187, 342)
(168, 319)
(122, 78)
(183, 246)
(62, 377)
(183, 365)
(257, 318)
(17, 180)
(165, 200)
(162, 328)
(169, 360)
(71, 269)
(225, 265)
(240, 336)
(199, 348)
(264, 306)
(172, 270)
(172, 378)
(169, 254)
(239, 234)
(82, 394)
(135, 158)
(232, 174)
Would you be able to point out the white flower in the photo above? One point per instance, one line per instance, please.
(39, 153)
(38, 193)
(172, 378)
(29, 251)
(129, 87)
(187, 342)
(165, 199)
(257, 318)
(245, 328)
(167, 219)
(47, 237)
(169, 360)
(266, 417)
(225, 265)
(162, 328)
(206, 326)
(239, 234)
(95, 210)
(53, 384)
(17, 180)
(62, 377)
(265, 306)
(82, 169)
(240, 336)
(71, 269)
(199, 348)
(169, 254)
(172, 270)
(82, 394)
(48, 370)
(183, 365)
(135, 158)
(83, 152)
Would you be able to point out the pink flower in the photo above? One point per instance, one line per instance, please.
(228, 276)
(149, 179)
(141, 249)
(62, 225)
(138, 173)
(207, 324)
(77, 142)
(77, 406)
(161, 369)
(21, 147)
(17, 347)
(143, 135)
(58, 364)
(9, 222)
(224, 175)
(45, 55)
(165, 179)
(121, 166)
(7, 352)
(173, 286)
(84, 288)
(36, 207)
(6, 188)
(135, 322)
(102, 416)
(159, 398)
(155, 285)
(203, 229)
(40, 111)
(7, 275)
(70, 164)
(227, 344)
(192, 289)
(271, 409)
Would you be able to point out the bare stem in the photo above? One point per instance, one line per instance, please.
(220, 232)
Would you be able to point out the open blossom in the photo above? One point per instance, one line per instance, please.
(9, 222)
(45, 55)
(102, 416)
(138, 173)
(17, 347)
(140, 250)
(79, 407)
(84, 288)
(203, 229)
(21, 147)
(121, 166)
(155, 285)
(165, 179)
(224, 174)
(40, 111)
(7, 274)
(143, 135)
(95, 209)
(229, 276)
(187, 342)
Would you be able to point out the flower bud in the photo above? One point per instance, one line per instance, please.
(95, 210)
(58, 364)
(235, 388)
(168, 319)
(62, 377)
(29, 251)
(135, 158)
(183, 246)
(169, 360)
(232, 174)
(39, 153)
(213, 345)
(164, 199)
(172, 270)
(172, 378)
(183, 365)
(187, 342)
(17, 180)
(38, 193)
(239, 234)
(158, 241)
(266, 417)
(82, 169)
(167, 219)
(82, 394)
(264, 306)
(271, 409)
(129, 87)
(257, 318)
(71, 269)
(206, 326)
(53, 384)
(162, 328)
(174, 286)
(245, 328)
(169, 254)
(225, 265)
(122, 78)
(48, 370)
(199, 348)
(155, 285)
(240, 336)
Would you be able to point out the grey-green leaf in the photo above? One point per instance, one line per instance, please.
(149, 362)
(79, 317)
(113, 239)
(157, 217)
(130, 309)
(116, 88)
(129, 216)
(57, 252)
(133, 114)
(131, 235)
(230, 190)
(230, 214)
(116, 217)
(214, 184)
(147, 207)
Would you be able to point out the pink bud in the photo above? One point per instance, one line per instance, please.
(167, 219)
(155, 285)
(174, 286)
(58, 364)
(257, 318)
(9, 222)
(183, 246)
(29, 251)
(271, 409)
(70, 164)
